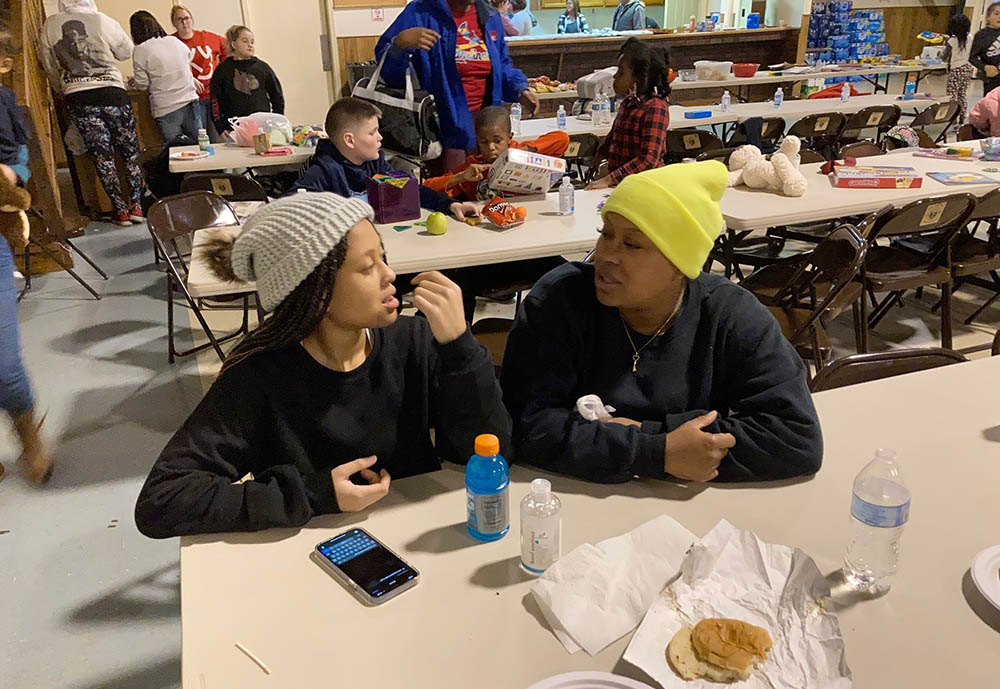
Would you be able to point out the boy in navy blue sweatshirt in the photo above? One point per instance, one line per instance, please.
(353, 154)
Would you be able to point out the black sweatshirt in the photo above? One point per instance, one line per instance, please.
(985, 49)
(724, 352)
(243, 87)
(288, 420)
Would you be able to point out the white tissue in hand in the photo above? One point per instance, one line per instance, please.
(732, 573)
(591, 408)
(594, 595)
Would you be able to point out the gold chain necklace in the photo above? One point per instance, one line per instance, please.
(659, 331)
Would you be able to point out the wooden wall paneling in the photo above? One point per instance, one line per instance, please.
(354, 49)
(902, 24)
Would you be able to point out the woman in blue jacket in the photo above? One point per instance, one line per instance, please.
(458, 52)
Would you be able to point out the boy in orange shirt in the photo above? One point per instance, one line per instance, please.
(493, 136)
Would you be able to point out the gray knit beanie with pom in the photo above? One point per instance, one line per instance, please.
(283, 242)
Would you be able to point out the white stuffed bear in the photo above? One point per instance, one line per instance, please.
(780, 174)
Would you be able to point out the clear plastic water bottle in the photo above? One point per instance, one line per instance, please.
(880, 508)
(595, 111)
(726, 101)
(203, 140)
(910, 89)
(605, 109)
(845, 92)
(561, 117)
(515, 118)
(541, 527)
(487, 478)
(779, 97)
(566, 204)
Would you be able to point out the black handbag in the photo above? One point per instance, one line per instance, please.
(409, 124)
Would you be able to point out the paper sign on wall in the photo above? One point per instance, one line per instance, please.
(378, 14)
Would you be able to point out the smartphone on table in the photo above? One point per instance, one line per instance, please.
(365, 567)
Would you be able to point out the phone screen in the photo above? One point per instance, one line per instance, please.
(366, 562)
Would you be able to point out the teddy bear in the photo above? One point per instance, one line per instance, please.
(14, 201)
(748, 166)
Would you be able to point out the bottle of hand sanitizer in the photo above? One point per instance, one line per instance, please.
(561, 117)
(779, 97)
(566, 196)
(541, 527)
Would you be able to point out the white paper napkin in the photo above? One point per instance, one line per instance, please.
(594, 595)
(732, 573)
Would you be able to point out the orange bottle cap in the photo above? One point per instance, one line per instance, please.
(487, 445)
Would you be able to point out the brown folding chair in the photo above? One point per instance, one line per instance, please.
(181, 215)
(720, 154)
(818, 130)
(689, 143)
(807, 156)
(40, 236)
(231, 187)
(968, 133)
(814, 290)
(881, 118)
(770, 132)
(971, 256)
(996, 344)
(895, 269)
(936, 115)
(581, 152)
(860, 149)
(863, 368)
(492, 333)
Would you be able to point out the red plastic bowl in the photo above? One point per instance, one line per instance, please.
(744, 69)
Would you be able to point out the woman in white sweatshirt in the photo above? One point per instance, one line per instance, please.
(162, 66)
(79, 49)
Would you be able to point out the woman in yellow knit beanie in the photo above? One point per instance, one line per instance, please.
(703, 384)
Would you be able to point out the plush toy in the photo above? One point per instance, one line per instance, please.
(780, 174)
(14, 201)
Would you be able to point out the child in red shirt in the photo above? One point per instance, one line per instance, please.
(638, 137)
(493, 136)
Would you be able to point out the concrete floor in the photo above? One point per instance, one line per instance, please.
(90, 603)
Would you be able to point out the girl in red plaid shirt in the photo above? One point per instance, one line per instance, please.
(638, 137)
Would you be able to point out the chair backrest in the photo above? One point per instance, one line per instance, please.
(939, 113)
(943, 215)
(882, 117)
(835, 261)
(720, 154)
(174, 216)
(987, 207)
(582, 147)
(771, 130)
(996, 344)
(818, 125)
(968, 133)
(690, 143)
(807, 155)
(861, 149)
(229, 186)
(862, 368)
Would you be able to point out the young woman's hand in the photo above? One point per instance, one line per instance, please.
(694, 454)
(199, 86)
(991, 71)
(530, 101)
(417, 38)
(602, 183)
(440, 300)
(352, 497)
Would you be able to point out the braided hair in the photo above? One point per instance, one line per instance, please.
(298, 314)
(649, 65)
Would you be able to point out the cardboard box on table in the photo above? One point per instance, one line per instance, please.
(520, 172)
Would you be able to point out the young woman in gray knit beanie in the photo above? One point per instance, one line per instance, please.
(334, 393)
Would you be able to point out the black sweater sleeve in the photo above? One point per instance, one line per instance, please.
(980, 44)
(274, 93)
(770, 410)
(220, 105)
(465, 398)
(194, 485)
(539, 383)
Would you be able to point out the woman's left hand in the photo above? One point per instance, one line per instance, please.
(529, 100)
(461, 211)
(602, 183)
(440, 300)
(199, 87)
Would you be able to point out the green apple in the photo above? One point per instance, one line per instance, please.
(437, 223)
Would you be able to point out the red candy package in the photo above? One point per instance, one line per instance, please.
(502, 214)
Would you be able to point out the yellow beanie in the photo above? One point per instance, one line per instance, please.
(677, 207)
